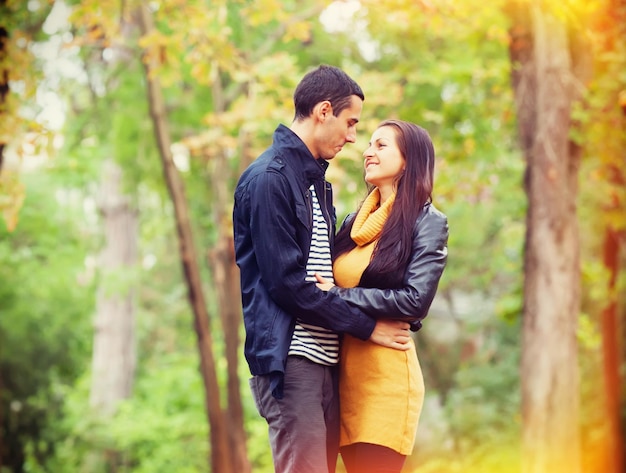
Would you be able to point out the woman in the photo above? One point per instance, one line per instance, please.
(389, 256)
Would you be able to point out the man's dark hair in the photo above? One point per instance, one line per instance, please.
(325, 83)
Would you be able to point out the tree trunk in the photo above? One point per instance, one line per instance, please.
(549, 366)
(221, 260)
(4, 89)
(219, 435)
(114, 349)
(4, 81)
(613, 27)
(226, 280)
(610, 350)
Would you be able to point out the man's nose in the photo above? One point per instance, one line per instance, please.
(351, 136)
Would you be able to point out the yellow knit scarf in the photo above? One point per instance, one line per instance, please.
(370, 219)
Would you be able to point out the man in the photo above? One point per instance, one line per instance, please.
(284, 225)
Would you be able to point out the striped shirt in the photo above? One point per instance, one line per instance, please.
(318, 344)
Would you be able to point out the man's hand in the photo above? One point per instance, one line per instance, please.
(392, 334)
(323, 283)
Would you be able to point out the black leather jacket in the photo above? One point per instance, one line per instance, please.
(421, 278)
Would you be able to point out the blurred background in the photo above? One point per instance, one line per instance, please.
(124, 126)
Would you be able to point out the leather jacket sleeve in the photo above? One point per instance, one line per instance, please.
(282, 264)
(413, 300)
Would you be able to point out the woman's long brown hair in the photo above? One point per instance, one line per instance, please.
(413, 191)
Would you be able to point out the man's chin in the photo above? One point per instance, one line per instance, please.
(331, 156)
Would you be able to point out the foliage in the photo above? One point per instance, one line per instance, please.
(229, 69)
(46, 302)
(493, 376)
(601, 132)
(487, 458)
(154, 430)
(21, 24)
(461, 95)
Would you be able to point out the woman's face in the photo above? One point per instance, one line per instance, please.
(383, 159)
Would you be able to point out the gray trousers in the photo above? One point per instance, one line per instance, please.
(304, 424)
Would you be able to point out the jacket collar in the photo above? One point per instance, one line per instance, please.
(299, 155)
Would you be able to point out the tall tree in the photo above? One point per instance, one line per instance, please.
(613, 461)
(606, 138)
(114, 357)
(4, 81)
(4, 89)
(220, 452)
(114, 352)
(544, 83)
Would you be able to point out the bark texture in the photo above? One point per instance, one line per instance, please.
(613, 24)
(114, 350)
(4, 82)
(544, 80)
(614, 461)
(221, 261)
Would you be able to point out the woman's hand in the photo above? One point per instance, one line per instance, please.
(323, 283)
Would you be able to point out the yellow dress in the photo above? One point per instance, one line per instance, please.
(381, 389)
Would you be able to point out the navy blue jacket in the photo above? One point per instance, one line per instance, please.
(272, 224)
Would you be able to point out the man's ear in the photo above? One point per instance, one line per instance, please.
(323, 110)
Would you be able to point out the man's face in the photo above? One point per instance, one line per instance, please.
(336, 131)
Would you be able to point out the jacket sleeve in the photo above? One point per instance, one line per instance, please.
(275, 220)
(413, 300)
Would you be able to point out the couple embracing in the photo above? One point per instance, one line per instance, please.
(329, 316)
